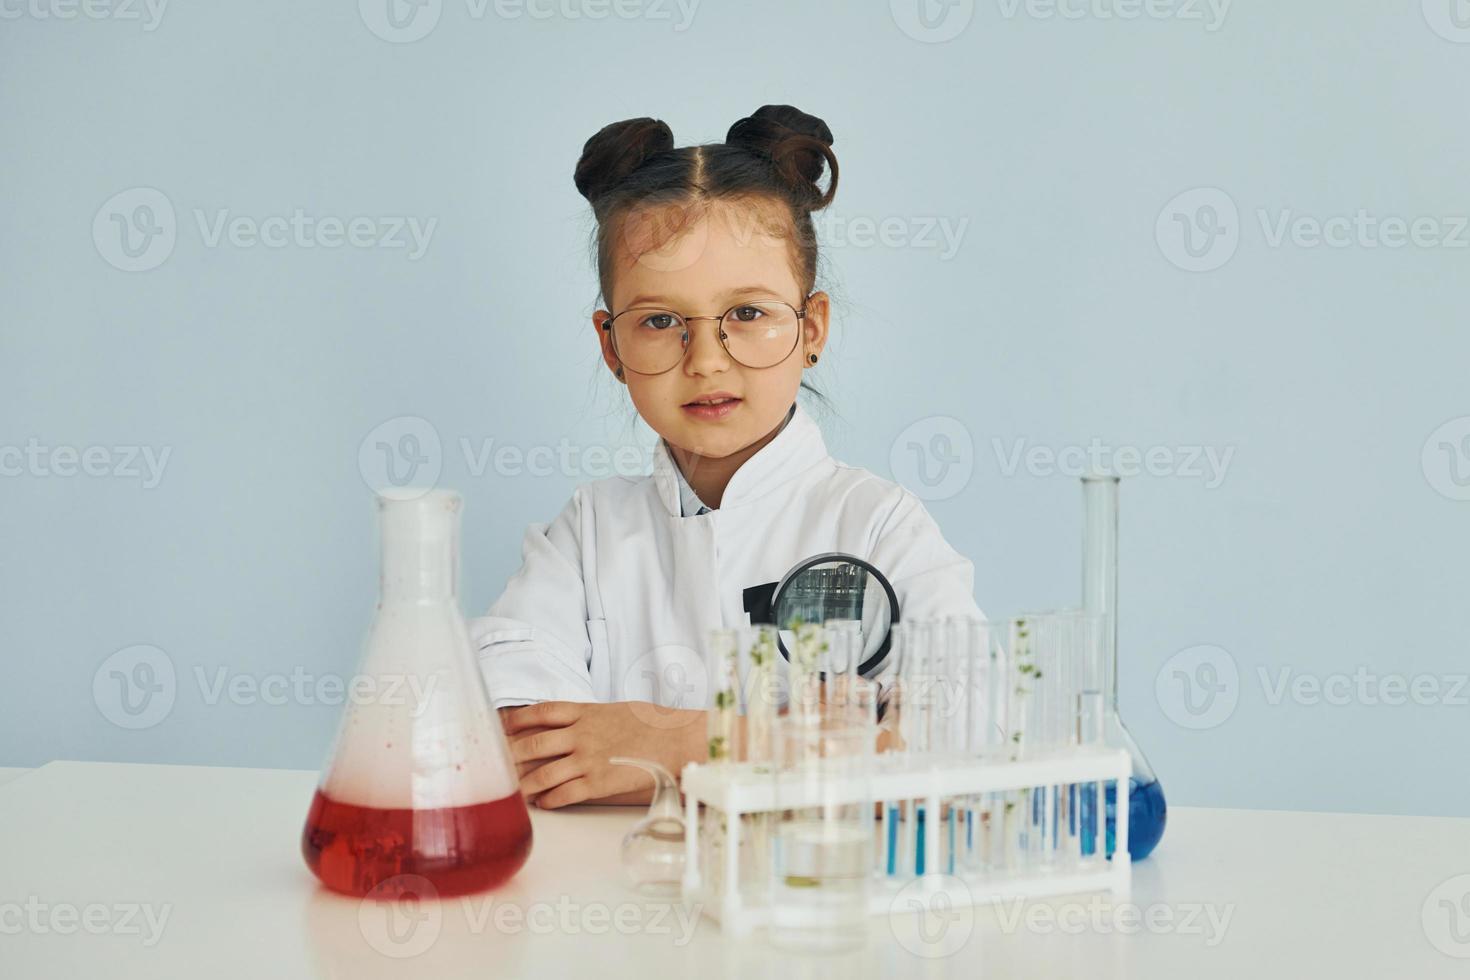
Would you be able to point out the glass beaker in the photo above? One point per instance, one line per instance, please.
(420, 780)
(823, 843)
(1147, 810)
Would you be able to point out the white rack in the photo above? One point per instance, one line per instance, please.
(739, 789)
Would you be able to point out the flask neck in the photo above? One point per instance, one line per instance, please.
(419, 536)
(1100, 569)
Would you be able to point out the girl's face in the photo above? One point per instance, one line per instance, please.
(719, 259)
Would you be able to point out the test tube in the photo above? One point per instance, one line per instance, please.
(761, 695)
(903, 813)
(920, 716)
(841, 656)
(723, 666)
(804, 674)
(1044, 646)
(722, 662)
(1018, 807)
(1091, 725)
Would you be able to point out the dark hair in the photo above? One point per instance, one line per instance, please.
(777, 154)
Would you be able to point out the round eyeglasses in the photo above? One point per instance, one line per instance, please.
(652, 340)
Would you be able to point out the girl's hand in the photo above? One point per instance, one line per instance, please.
(561, 748)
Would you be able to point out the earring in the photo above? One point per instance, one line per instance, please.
(811, 358)
(619, 372)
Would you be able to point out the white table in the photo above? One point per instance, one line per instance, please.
(216, 850)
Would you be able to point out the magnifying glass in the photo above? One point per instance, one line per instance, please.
(826, 587)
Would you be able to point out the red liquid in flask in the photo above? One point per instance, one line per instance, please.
(459, 849)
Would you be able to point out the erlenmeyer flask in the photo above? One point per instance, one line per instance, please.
(420, 781)
(1146, 808)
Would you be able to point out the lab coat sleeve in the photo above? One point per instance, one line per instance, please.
(533, 643)
(932, 579)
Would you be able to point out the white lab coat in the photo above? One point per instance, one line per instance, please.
(615, 598)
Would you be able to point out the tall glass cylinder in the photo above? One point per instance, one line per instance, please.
(1147, 810)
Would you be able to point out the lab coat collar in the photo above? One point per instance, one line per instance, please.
(798, 446)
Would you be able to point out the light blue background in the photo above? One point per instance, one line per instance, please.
(1061, 318)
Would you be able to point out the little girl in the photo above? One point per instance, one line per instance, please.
(707, 262)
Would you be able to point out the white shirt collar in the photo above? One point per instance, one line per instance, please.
(797, 444)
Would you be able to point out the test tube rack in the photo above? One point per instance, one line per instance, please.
(739, 789)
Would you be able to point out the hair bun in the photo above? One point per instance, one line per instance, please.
(616, 150)
(800, 145)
